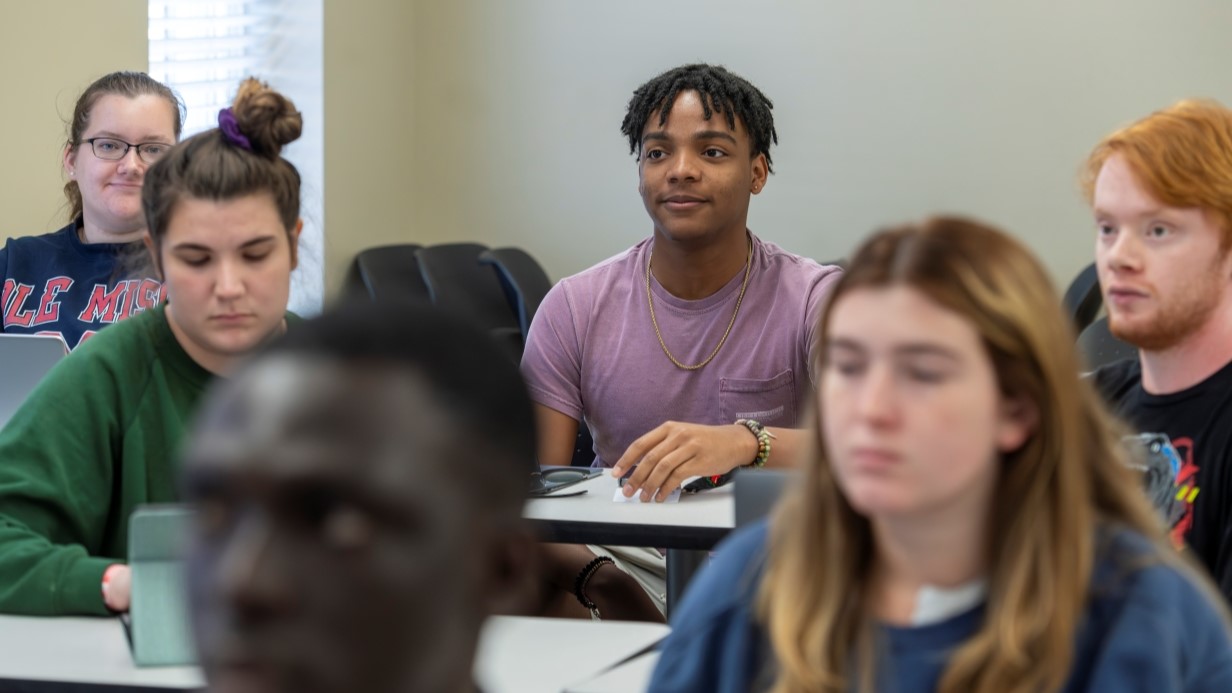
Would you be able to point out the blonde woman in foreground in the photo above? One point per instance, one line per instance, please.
(966, 523)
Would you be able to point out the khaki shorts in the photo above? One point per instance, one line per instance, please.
(645, 565)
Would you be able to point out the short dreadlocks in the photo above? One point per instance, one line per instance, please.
(720, 91)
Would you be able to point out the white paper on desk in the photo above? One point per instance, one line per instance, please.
(637, 497)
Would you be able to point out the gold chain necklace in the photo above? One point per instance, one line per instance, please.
(748, 265)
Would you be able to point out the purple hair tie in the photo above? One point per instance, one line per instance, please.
(231, 130)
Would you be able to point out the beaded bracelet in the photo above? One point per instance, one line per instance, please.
(763, 441)
(579, 584)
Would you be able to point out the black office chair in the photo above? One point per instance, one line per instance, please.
(388, 271)
(583, 447)
(1083, 302)
(1098, 347)
(524, 281)
(757, 491)
(525, 284)
(1082, 299)
(459, 284)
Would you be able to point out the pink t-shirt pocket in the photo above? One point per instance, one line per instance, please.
(771, 401)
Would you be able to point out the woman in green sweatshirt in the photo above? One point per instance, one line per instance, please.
(100, 435)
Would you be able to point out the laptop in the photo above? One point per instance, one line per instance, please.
(158, 628)
(24, 360)
(757, 491)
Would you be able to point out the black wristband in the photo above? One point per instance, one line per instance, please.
(583, 577)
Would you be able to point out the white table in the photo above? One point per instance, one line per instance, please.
(697, 521)
(633, 675)
(57, 651)
(515, 654)
(536, 655)
(687, 528)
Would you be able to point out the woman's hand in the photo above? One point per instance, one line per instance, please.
(117, 587)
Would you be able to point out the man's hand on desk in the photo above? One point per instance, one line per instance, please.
(675, 451)
(117, 587)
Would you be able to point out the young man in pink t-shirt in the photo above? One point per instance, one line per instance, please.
(688, 354)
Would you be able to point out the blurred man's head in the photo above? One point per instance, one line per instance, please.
(1161, 192)
(359, 491)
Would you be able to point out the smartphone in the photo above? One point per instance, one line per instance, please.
(702, 483)
(705, 483)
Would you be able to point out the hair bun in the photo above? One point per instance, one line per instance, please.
(267, 118)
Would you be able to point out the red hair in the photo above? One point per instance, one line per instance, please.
(1182, 155)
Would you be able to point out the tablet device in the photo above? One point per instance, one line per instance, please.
(159, 631)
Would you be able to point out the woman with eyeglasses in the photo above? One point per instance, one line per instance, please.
(74, 282)
(100, 435)
(966, 521)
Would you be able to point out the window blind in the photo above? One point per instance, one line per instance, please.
(203, 48)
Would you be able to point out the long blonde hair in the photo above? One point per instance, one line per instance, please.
(1052, 494)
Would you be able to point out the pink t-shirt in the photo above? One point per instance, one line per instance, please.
(592, 352)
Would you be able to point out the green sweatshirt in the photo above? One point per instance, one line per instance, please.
(98, 437)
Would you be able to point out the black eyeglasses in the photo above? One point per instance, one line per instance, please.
(111, 149)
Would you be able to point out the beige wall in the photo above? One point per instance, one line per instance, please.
(499, 121)
(369, 128)
(49, 53)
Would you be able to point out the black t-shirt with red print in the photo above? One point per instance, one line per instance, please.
(1198, 421)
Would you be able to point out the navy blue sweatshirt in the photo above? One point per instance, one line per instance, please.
(55, 284)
